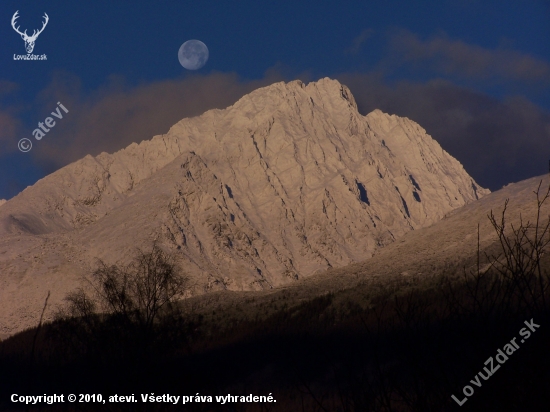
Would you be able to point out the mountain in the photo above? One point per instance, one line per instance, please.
(289, 181)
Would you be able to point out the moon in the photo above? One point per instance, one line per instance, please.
(193, 54)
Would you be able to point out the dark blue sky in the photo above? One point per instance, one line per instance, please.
(474, 74)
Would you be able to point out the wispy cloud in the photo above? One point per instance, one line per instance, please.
(456, 57)
(7, 87)
(359, 41)
(9, 127)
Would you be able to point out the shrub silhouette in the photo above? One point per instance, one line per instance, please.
(131, 312)
(140, 292)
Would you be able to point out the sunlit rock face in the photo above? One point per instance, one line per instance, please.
(288, 181)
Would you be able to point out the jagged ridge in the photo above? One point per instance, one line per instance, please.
(288, 181)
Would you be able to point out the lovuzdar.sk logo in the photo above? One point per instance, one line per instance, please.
(29, 40)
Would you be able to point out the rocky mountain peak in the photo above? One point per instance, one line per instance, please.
(288, 181)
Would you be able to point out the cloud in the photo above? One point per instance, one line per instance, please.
(455, 57)
(7, 88)
(359, 41)
(10, 125)
(497, 141)
(116, 115)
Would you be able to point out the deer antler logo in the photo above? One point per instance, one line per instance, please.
(29, 40)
